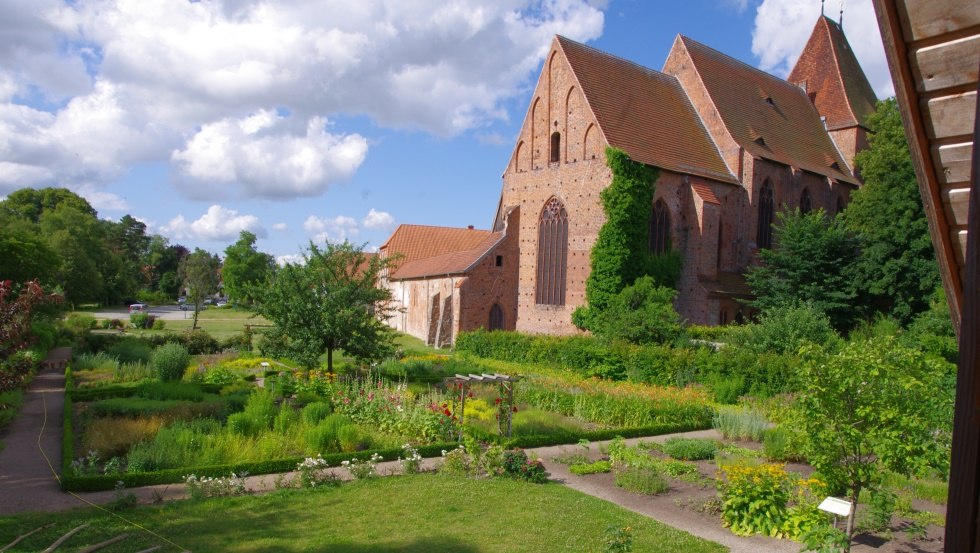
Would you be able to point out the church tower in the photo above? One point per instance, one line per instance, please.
(829, 73)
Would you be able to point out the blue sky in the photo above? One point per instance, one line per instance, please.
(324, 120)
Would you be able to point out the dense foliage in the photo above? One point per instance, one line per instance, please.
(245, 269)
(199, 273)
(621, 255)
(19, 309)
(332, 301)
(641, 313)
(897, 269)
(812, 262)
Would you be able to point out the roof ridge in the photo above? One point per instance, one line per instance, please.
(740, 62)
(611, 56)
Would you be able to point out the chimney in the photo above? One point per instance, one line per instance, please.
(470, 227)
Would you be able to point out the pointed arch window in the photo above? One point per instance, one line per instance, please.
(763, 236)
(659, 228)
(555, 147)
(496, 318)
(806, 202)
(552, 253)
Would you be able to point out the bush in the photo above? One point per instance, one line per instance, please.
(784, 330)
(141, 320)
(351, 438)
(171, 391)
(641, 480)
(10, 402)
(129, 350)
(689, 449)
(159, 324)
(132, 372)
(727, 390)
(741, 423)
(80, 322)
(100, 360)
(642, 313)
(315, 412)
(517, 465)
(782, 445)
(323, 437)
(199, 342)
(169, 361)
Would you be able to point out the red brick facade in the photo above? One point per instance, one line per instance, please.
(721, 131)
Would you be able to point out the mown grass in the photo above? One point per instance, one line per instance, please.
(412, 514)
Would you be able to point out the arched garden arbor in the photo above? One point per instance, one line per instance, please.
(461, 384)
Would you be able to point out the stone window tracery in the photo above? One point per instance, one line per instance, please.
(763, 237)
(552, 253)
(659, 234)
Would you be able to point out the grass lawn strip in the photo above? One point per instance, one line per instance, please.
(421, 513)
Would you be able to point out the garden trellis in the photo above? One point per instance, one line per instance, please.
(505, 400)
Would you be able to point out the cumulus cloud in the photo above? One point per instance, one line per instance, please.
(217, 224)
(280, 227)
(290, 258)
(338, 229)
(89, 88)
(103, 201)
(378, 220)
(782, 28)
(264, 155)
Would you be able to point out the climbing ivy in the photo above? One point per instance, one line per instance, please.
(621, 253)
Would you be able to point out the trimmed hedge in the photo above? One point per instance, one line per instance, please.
(564, 438)
(171, 476)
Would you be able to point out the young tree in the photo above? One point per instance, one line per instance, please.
(642, 313)
(245, 268)
(331, 302)
(199, 273)
(897, 267)
(813, 263)
(873, 406)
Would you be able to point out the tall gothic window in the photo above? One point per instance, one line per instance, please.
(763, 236)
(840, 204)
(555, 147)
(806, 203)
(552, 253)
(496, 318)
(659, 228)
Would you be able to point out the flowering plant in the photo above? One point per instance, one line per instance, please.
(314, 471)
(360, 470)
(412, 463)
(207, 486)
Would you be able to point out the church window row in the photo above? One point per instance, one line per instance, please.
(763, 236)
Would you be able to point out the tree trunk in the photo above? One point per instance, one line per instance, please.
(197, 309)
(850, 519)
(329, 360)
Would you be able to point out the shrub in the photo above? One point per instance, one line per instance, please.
(100, 360)
(323, 436)
(80, 322)
(171, 391)
(159, 324)
(517, 465)
(784, 330)
(199, 342)
(641, 313)
(10, 402)
(315, 412)
(782, 445)
(689, 449)
(641, 480)
(132, 372)
(727, 390)
(740, 423)
(169, 361)
(352, 438)
(129, 350)
(220, 375)
(754, 499)
(140, 320)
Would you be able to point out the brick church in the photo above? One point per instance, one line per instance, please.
(733, 145)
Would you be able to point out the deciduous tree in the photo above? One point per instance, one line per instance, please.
(245, 268)
(199, 272)
(331, 302)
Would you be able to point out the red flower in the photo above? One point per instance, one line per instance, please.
(448, 412)
(496, 401)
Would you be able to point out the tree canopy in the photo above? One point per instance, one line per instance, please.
(331, 302)
(897, 268)
(245, 268)
(812, 262)
(199, 273)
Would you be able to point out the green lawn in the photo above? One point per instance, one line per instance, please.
(414, 514)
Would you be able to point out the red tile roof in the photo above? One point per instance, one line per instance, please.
(766, 115)
(426, 250)
(706, 193)
(644, 112)
(829, 72)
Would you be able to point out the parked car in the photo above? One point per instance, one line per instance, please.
(138, 308)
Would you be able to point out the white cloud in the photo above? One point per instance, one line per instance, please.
(782, 28)
(266, 157)
(217, 224)
(280, 227)
(103, 201)
(338, 229)
(378, 220)
(185, 82)
(291, 258)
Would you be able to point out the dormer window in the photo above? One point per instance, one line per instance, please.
(770, 102)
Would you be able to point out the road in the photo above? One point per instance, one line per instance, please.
(165, 312)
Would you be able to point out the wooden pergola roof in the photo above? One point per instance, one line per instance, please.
(933, 50)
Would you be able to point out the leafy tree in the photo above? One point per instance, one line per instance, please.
(199, 273)
(79, 239)
(641, 313)
(784, 329)
(163, 263)
(25, 254)
(874, 405)
(31, 204)
(897, 267)
(129, 245)
(621, 254)
(331, 302)
(812, 262)
(245, 268)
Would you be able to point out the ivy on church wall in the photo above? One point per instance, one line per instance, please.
(621, 253)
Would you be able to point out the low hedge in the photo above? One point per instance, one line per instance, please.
(563, 438)
(124, 390)
(73, 483)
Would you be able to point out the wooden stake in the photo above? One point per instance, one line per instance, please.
(22, 536)
(64, 538)
(106, 543)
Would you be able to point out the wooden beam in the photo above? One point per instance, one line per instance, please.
(916, 130)
(962, 509)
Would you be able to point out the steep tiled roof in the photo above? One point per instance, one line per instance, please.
(766, 115)
(831, 75)
(645, 113)
(414, 243)
(706, 193)
(453, 263)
